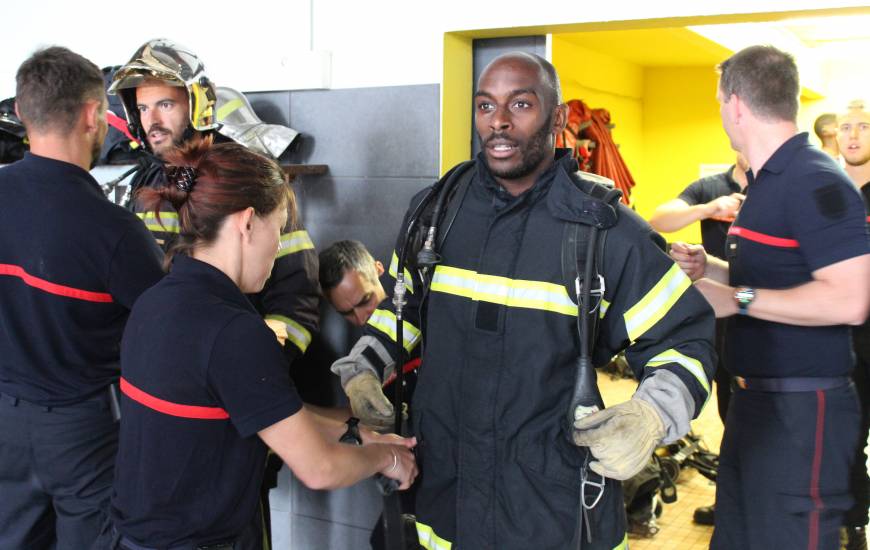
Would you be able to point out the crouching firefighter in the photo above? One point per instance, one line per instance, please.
(512, 455)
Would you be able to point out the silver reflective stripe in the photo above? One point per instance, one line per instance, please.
(294, 242)
(656, 303)
(385, 321)
(296, 333)
(168, 222)
(429, 540)
(502, 290)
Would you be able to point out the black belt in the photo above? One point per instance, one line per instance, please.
(127, 544)
(786, 385)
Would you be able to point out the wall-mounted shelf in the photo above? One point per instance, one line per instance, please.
(294, 170)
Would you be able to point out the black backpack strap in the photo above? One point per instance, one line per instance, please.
(465, 174)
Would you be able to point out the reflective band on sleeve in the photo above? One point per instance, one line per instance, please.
(656, 304)
(605, 305)
(394, 266)
(622, 545)
(769, 240)
(168, 222)
(692, 365)
(170, 408)
(429, 540)
(294, 242)
(385, 321)
(501, 290)
(296, 333)
(54, 288)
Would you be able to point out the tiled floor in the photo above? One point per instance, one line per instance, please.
(677, 531)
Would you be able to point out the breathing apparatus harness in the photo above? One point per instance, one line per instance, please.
(582, 252)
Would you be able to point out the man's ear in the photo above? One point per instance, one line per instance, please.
(560, 118)
(91, 113)
(379, 267)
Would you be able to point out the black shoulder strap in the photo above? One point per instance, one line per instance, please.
(575, 241)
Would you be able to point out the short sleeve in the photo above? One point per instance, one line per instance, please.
(137, 265)
(693, 194)
(248, 375)
(827, 216)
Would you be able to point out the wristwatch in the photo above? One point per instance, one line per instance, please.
(744, 296)
(352, 435)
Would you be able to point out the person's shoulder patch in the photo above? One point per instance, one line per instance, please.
(831, 201)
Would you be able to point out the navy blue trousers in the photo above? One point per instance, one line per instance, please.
(784, 469)
(56, 468)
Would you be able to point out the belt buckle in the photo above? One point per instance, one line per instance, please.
(741, 382)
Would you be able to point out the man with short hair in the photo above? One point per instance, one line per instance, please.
(504, 467)
(67, 283)
(798, 262)
(853, 137)
(349, 277)
(825, 128)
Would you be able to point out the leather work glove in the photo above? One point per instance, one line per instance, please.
(368, 402)
(621, 438)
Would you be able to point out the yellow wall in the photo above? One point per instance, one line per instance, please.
(667, 120)
(682, 130)
(603, 81)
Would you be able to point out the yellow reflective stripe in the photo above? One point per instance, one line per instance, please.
(429, 540)
(657, 302)
(605, 305)
(296, 333)
(169, 221)
(385, 321)
(227, 108)
(692, 365)
(394, 266)
(502, 290)
(294, 242)
(622, 545)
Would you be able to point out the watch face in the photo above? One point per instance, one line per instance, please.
(744, 296)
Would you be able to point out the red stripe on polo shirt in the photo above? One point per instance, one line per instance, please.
(769, 240)
(170, 408)
(53, 288)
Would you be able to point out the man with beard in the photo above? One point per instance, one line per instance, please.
(501, 465)
(71, 266)
(853, 137)
(169, 100)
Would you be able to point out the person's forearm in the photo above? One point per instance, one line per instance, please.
(329, 420)
(667, 218)
(716, 269)
(817, 303)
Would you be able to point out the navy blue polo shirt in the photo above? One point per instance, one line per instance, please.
(704, 190)
(201, 375)
(801, 213)
(71, 266)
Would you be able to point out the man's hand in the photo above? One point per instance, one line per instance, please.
(368, 402)
(692, 259)
(720, 296)
(725, 206)
(621, 438)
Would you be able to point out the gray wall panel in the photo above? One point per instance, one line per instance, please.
(374, 132)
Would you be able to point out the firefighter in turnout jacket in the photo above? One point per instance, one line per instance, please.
(500, 465)
(168, 99)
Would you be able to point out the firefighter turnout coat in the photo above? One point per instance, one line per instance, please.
(498, 467)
